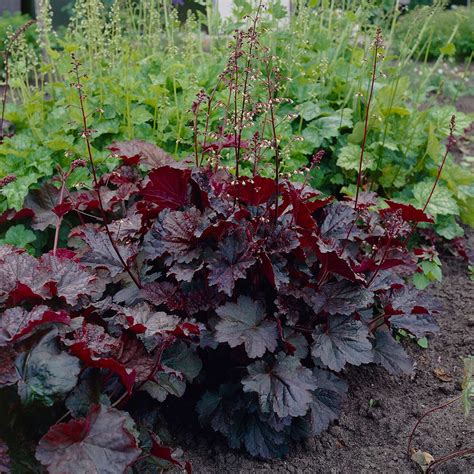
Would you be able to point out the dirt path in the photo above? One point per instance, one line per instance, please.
(371, 435)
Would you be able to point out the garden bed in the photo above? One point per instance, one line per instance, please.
(380, 411)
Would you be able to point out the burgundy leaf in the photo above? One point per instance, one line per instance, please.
(167, 187)
(252, 191)
(409, 212)
(19, 277)
(62, 209)
(17, 322)
(101, 443)
(92, 345)
(66, 278)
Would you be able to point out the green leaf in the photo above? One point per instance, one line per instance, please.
(433, 146)
(19, 236)
(423, 342)
(442, 202)
(140, 114)
(349, 157)
(447, 227)
(309, 110)
(449, 49)
(421, 281)
(431, 270)
(46, 372)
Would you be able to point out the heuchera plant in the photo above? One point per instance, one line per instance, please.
(259, 291)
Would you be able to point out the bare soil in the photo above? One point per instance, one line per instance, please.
(371, 435)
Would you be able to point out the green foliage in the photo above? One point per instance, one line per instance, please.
(438, 39)
(144, 69)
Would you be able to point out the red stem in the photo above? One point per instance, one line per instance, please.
(448, 457)
(96, 182)
(59, 219)
(366, 126)
(438, 175)
(431, 410)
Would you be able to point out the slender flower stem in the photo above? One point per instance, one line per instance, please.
(86, 132)
(59, 219)
(451, 142)
(377, 46)
(6, 60)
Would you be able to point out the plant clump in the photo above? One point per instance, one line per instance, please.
(256, 290)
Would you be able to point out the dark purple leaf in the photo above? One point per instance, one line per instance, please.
(326, 404)
(231, 262)
(344, 341)
(70, 279)
(42, 201)
(339, 222)
(390, 354)
(166, 293)
(417, 324)
(244, 323)
(101, 443)
(176, 234)
(180, 364)
(100, 252)
(283, 387)
(341, 298)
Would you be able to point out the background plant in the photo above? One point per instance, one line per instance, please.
(146, 67)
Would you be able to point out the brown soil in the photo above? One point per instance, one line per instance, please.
(371, 435)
